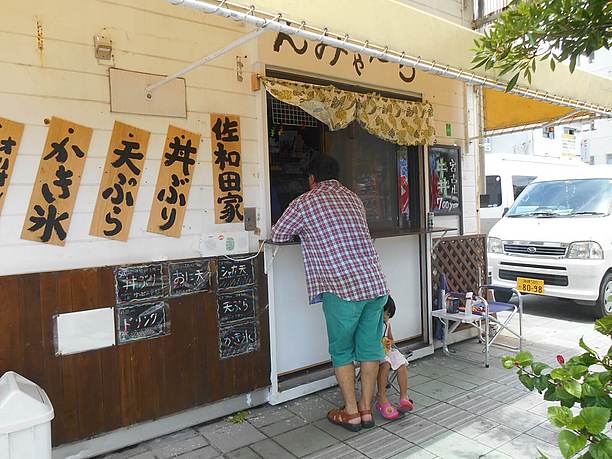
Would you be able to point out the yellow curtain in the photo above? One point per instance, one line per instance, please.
(398, 121)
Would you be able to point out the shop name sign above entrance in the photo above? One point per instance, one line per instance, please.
(333, 56)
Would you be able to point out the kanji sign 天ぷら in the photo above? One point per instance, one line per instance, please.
(57, 182)
(10, 138)
(120, 182)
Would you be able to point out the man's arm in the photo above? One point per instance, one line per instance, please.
(289, 224)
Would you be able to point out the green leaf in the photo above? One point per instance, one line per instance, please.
(552, 64)
(559, 415)
(527, 381)
(601, 450)
(573, 387)
(541, 383)
(538, 367)
(570, 443)
(573, 61)
(560, 374)
(578, 371)
(508, 362)
(576, 423)
(595, 418)
(551, 394)
(512, 83)
(604, 325)
(524, 358)
(584, 346)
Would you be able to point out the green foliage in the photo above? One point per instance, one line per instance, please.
(584, 381)
(238, 418)
(533, 31)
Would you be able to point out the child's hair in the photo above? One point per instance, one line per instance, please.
(390, 307)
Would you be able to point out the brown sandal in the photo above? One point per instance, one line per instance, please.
(341, 418)
(367, 424)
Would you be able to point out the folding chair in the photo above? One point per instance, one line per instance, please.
(392, 375)
(497, 307)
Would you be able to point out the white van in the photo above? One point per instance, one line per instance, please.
(556, 239)
(508, 174)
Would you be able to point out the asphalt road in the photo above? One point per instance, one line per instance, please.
(557, 308)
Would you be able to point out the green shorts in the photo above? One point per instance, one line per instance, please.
(354, 329)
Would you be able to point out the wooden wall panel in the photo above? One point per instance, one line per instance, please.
(102, 390)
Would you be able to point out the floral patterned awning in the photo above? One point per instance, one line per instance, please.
(398, 121)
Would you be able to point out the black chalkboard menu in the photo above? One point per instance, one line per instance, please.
(139, 283)
(238, 339)
(189, 277)
(141, 321)
(236, 306)
(445, 180)
(234, 273)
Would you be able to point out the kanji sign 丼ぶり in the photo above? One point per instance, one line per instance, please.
(120, 182)
(174, 182)
(10, 138)
(227, 168)
(139, 283)
(57, 182)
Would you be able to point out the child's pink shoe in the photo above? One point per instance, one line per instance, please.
(405, 406)
(388, 411)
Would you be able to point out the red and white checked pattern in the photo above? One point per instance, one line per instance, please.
(339, 254)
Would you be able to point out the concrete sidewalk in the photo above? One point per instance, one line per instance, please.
(463, 410)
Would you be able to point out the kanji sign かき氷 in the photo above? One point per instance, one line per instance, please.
(227, 167)
(174, 182)
(57, 182)
(10, 138)
(120, 182)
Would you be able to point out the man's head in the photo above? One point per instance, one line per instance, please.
(321, 168)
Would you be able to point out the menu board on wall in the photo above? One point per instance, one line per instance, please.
(238, 339)
(142, 321)
(445, 180)
(236, 306)
(139, 283)
(234, 273)
(189, 277)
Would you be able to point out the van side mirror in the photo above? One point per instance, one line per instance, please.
(506, 209)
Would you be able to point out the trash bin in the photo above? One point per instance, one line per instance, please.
(25, 419)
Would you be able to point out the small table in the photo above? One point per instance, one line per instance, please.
(475, 320)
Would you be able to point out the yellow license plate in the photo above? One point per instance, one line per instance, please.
(526, 285)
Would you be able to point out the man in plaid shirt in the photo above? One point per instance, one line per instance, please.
(343, 271)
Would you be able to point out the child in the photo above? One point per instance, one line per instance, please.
(395, 360)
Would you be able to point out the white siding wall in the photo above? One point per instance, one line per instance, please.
(457, 11)
(65, 80)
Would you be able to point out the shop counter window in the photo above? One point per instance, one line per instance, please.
(494, 191)
(384, 175)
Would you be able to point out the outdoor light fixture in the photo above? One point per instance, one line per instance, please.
(103, 46)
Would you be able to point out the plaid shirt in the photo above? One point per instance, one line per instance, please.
(339, 254)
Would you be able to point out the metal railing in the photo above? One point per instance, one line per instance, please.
(487, 10)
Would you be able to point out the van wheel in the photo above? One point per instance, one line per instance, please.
(604, 302)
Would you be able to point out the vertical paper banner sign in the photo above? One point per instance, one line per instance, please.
(57, 182)
(10, 138)
(120, 182)
(174, 182)
(227, 167)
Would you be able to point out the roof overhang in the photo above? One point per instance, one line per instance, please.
(396, 32)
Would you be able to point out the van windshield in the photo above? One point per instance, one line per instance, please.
(564, 198)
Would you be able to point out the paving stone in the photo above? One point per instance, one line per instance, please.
(528, 402)
(269, 449)
(208, 452)
(477, 426)
(431, 371)
(339, 451)
(305, 440)
(332, 395)
(526, 447)
(178, 443)
(283, 426)
(421, 401)
(497, 436)
(267, 415)
(378, 443)
(515, 419)
(415, 429)
(228, 437)
(475, 403)
(541, 409)
(452, 445)
(335, 430)
(438, 390)
(311, 408)
(460, 383)
(243, 453)
(465, 376)
(500, 392)
(128, 453)
(447, 416)
(544, 434)
(415, 452)
(496, 455)
(415, 380)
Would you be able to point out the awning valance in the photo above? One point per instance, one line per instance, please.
(398, 121)
(396, 32)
